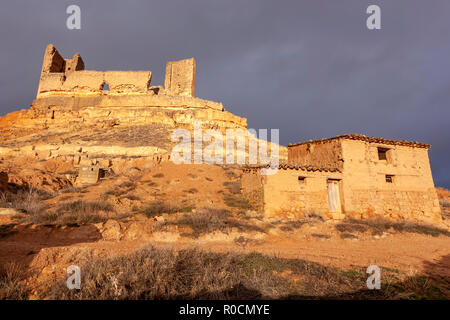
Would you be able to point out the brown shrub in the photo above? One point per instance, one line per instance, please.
(12, 285)
(348, 236)
(159, 207)
(234, 187)
(152, 184)
(75, 212)
(70, 190)
(192, 274)
(379, 226)
(29, 201)
(132, 197)
(165, 274)
(321, 236)
(237, 202)
(209, 220)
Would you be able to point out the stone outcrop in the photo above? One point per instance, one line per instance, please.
(102, 118)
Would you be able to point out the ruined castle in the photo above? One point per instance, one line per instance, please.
(74, 106)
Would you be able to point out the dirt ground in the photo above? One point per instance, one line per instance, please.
(47, 249)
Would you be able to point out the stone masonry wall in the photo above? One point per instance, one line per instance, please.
(367, 194)
(284, 194)
(327, 154)
(67, 76)
(252, 187)
(180, 77)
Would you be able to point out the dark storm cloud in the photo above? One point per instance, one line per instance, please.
(310, 68)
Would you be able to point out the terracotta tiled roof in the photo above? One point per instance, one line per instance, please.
(361, 137)
(296, 167)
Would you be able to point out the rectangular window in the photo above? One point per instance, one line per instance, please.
(382, 153)
(389, 178)
(301, 179)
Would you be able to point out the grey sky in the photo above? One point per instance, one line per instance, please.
(310, 68)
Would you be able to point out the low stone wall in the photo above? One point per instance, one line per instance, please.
(395, 205)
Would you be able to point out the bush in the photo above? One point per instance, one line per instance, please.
(237, 202)
(379, 226)
(75, 212)
(30, 201)
(12, 285)
(209, 220)
(193, 274)
(165, 274)
(233, 187)
(159, 207)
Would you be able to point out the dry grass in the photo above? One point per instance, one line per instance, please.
(160, 207)
(310, 218)
(29, 201)
(320, 236)
(70, 190)
(77, 212)
(234, 201)
(193, 274)
(12, 285)
(152, 273)
(156, 274)
(234, 187)
(208, 220)
(187, 274)
(191, 191)
(379, 226)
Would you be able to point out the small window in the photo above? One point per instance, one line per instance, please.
(105, 87)
(389, 178)
(382, 153)
(301, 179)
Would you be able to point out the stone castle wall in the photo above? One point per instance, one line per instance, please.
(61, 76)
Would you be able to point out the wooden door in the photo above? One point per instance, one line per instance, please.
(334, 199)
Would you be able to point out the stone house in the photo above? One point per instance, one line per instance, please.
(354, 175)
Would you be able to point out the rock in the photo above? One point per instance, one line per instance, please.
(111, 231)
(134, 231)
(12, 211)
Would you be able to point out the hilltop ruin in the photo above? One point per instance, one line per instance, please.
(74, 118)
